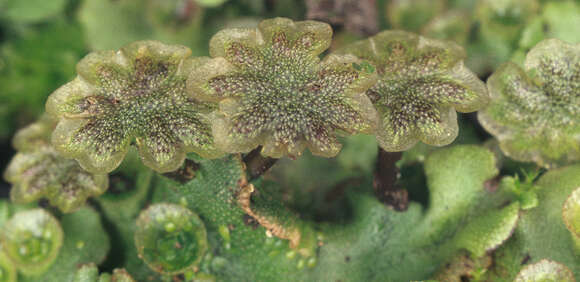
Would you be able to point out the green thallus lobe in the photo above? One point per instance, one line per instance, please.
(535, 111)
(39, 171)
(273, 90)
(134, 94)
(422, 83)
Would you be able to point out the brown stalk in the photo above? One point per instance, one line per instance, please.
(387, 190)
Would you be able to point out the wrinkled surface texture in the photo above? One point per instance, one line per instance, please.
(422, 82)
(274, 91)
(135, 94)
(535, 113)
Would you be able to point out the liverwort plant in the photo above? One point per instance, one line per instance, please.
(136, 95)
(535, 110)
(212, 127)
(273, 90)
(39, 171)
(422, 83)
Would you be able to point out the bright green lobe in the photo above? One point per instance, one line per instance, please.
(278, 94)
(140, 96)
(38, 171)
(535, 112)
(422, 82)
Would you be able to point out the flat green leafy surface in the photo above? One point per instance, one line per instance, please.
(382, 245)
(455, 184)
(488, 231)
(541, 232)
(371, 243)
(540, 227)
(251, 255)
(377, 246)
